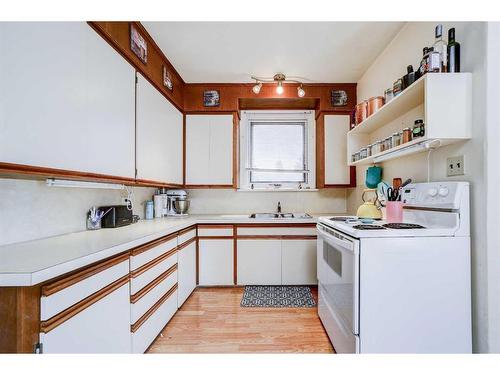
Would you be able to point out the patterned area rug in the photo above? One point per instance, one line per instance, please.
(277, 296)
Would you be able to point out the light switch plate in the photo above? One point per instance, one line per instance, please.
(455, 166)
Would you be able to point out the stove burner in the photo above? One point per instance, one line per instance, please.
(403, 226)
(342, 218)
(367, 227)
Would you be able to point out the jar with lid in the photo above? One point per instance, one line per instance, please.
(376, 148)
(388, 95)
(356, 156)
(396, 139)
(397, 87)
(369, 149)
(388, 143)
(418, 128)
(361, 112)
(363, 153)
(406, 135)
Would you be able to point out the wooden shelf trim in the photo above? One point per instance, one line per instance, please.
(140, 249)
(141, 293)
(73, 278)
(48, 325)
(139, 271)
(134, 327)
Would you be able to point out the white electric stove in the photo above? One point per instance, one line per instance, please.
(399, 287)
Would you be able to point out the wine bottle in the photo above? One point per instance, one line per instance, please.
(453, 51)
(440, 46)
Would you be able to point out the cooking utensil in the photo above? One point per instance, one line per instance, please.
(408, 181)
(396, 183)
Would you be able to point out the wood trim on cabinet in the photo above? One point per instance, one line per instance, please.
(276, 237)
(141, 293)
(151, 183)
(187, 230)
(215, 237)
(48, 325)
(197, 261)
(184, 133)
(215, 226)
(147, 246)
(209, 186)
(134, 327)
(352, 180)
(236, 143)
(30, 171)
(185, 244)
(19, 319)
(235, 255)
(139, 271)
(73, 278)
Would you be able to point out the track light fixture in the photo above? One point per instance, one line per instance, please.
(279, 78)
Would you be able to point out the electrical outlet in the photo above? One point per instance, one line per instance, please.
(455, 166)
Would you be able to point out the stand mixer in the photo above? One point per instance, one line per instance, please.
(177, 203)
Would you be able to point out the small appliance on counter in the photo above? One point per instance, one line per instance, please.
(116, 216)
(177, 203)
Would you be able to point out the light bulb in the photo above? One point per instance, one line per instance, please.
(279, 89)
(256, 88)
(300, 92)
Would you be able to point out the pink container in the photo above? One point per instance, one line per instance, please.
(394, 212)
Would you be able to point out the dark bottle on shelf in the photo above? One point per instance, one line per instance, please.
(453, 51)
(424, 64)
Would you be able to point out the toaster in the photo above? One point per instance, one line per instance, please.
(116, 216)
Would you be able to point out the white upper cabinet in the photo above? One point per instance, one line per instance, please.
(336, 164)
(159, 136)
(67, 99)
(209, 150)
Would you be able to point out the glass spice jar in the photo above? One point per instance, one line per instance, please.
(363, 153)
(396, 139)
(406, 135)
(397, 87)
(388, 95)
(388, 143)
(376, 148)
(369, 150)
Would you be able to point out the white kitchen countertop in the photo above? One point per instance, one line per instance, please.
(32, 262)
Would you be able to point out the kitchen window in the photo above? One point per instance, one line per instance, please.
(277, 150)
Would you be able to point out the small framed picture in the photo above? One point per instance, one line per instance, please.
(167, 79)
(339, 98)
(138, 44)
(211, 98)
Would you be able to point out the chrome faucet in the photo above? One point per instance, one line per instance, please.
(279, 207)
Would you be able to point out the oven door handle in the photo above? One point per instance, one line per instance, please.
(337, 242)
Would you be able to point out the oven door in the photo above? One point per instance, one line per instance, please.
(338, 274)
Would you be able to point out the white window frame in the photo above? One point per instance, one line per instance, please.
(306, 116)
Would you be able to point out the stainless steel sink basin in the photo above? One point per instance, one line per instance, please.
(280, 216)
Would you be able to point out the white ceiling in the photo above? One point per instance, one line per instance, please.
(232, 51)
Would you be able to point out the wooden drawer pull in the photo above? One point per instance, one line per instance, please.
(141, 293)
(187, 243)
(150, 245)
(152, 263)
(67, 281)
(186, 230)
(57, 320)
(134, 327)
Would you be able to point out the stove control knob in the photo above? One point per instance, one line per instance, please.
(443, 191)
(432, 192)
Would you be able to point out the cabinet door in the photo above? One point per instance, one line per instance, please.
(70, 102)
(298, 262)
(259, 262)
(337, 172)
(159, 136)
(102, 327)
(186, 272)
(209, 150)
(216, 262)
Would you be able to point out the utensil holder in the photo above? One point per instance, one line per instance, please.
(394, 212)
(93, 225)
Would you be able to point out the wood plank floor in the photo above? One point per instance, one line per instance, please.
(212, 321)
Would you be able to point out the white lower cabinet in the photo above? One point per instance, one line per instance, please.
(186, 272)
(147, 328)
(216, 262)
(259, 262)
(298, 262)
(102, 327)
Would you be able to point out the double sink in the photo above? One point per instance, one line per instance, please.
(301, 215)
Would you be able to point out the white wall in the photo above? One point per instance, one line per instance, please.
(493, 181)
(218, 201)
(405, 49)
(30, 210)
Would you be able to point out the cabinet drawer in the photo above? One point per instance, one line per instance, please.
(150, 271)
(98, 324)
(276, 231)
(145, 330)
(215, 230)
(146, 253)
(186, 234)
(143, 300)
(65, 292)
